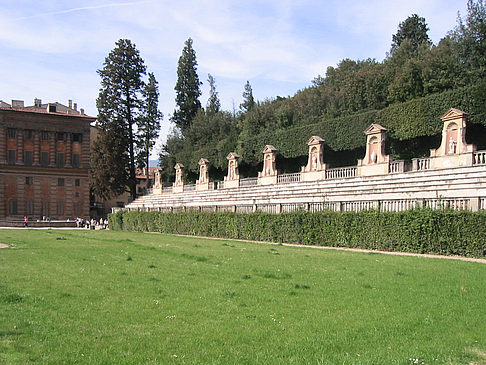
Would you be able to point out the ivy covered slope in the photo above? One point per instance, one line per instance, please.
(404, 121)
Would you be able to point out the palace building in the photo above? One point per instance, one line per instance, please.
(44, 161)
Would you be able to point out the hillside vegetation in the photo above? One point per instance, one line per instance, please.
(407, 93)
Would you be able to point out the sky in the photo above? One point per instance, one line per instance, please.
(52, 49)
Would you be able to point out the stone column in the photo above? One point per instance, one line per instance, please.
(20, 147)
(36, 161)
(3, 146)
(68, 149)
(52, 149)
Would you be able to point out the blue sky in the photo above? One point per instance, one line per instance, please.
(52, 49)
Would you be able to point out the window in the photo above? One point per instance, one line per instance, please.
(28, 134)
(45, 209)
(29, 207)
(28, 158)
(12, 205)
(60, 159)
(29, 180)
(12, 157)
(44, 158)
(60, 208)
(60, 181)
(11, 132)
(77, 209)
(76, 194)
(75, 160)
(45, 135)
(77, 137)
(60, 136)
(77, 182)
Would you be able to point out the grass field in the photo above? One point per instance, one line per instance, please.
(135, 298)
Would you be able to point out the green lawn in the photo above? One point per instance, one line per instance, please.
(95, 297)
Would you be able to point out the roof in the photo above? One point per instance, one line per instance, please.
(44, 109)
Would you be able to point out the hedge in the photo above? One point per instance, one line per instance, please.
(404, 121)
(443, 232)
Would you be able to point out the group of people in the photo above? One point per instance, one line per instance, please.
(91, 223)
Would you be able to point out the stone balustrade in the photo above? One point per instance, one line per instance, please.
(288, 178)
(249, 181)
(419, 164)
(479, 158)
(341, 172)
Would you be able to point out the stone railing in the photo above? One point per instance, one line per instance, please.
(419, 164)
(479, 158)
(288, 178)
(190, 187)
(398, 166)
(397, 205)
(341, 172)
(249, 181)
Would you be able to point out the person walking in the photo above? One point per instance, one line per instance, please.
(26, 221)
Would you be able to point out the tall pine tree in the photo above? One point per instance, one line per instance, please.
(248, 101)
(214, 104)
(119, 106)
(148, 125)
(187, 89)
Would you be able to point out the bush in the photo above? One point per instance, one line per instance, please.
(443, 232)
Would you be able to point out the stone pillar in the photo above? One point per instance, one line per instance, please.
(158, 186)
(52, 149)
(36, 161)
(232, 180)
(268, 175)
(178, 186)
(20, 147)
(453, 150)
(315, 168)
(202, 184)
(68, 149)
(3, 145)
(375, 161)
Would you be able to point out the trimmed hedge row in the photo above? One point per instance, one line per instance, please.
(444, 232)
(404, 121)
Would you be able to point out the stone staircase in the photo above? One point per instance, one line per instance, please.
(459, 188)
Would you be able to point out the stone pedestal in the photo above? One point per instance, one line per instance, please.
(158, 186)
(202, 184)
(453, 150)
(268, 175)
(315, 168)
(178, 186)
(232, 180)
(375, 161)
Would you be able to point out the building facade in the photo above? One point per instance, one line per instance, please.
(44, 161)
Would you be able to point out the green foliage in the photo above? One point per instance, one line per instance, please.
(119, 106)
(404, 121)
(187, 88)
(214, 105)
(248, 100)
(443, 232)
(414, 29)
(148, 125)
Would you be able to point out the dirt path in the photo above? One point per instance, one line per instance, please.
(460, 258)
(3, 245)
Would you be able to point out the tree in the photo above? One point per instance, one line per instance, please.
(248, 101)
(470, 40)
(415, 29)
(187, 89)
(148, 125)
(119, 106)
(214, 104)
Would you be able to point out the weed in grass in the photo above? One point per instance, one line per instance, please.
(61, 238)
(367, 286)
(227, 245)
(246, 276)
(229, 293)
(196, 245)
(11, 298)
(123, 273)
(153, 279)
(194, 257)
(302, 286)
(65, 295)
(129, 258)
(151, 266)
(399, 273)
(273, 251)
